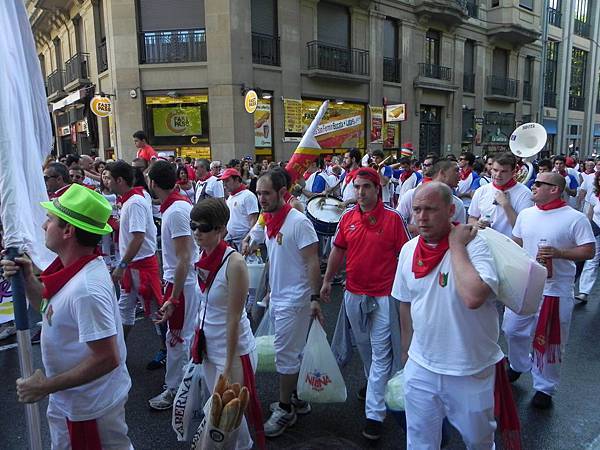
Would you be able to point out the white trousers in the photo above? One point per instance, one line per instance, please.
(111, 428)
(212, 370)
(590, 271)
(291, 324)
(467, 402)
(519, 332)
(178, 353)
(373, 340)
(128, 300)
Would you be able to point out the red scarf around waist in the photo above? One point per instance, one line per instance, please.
(464, 173)
(546, 342)
(238, 190)
(176, 320)
(554, 204)
(56, 275)
(149, 280)
(173, 197)
(139, 190)
(427, 258)
(506, 186)
(254, 412)
(274, 221)
(208, 264)
(505, 409)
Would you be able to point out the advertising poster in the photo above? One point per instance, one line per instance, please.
(342, 126)
(376, 124)
(262, 124)
(6, 306)
(292, 110)
(478, 130)
(395, 113)
(391, 133)
(177, 121)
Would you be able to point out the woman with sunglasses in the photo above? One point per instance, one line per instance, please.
(224, 341)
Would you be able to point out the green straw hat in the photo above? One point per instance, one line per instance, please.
(83, 208)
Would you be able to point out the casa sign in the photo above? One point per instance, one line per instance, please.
(101, 106)
(251, 101)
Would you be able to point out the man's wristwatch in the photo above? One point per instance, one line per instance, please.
(315, 298)
(122, 265)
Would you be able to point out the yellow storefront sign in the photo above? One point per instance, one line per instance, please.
(177, 121)
(195, 152)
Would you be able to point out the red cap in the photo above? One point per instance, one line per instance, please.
(569, 162)
(228, 173)
(370, 174)
(408, 145)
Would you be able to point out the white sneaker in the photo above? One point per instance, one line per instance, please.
(7, 331)
(279, 421)
(162, 401)
(301, 407)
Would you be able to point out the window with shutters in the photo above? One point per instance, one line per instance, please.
(577, 86)
(265, 35)
(391, 61)
(527, 78)
(172, 31)
(333, 24)
(469, 69)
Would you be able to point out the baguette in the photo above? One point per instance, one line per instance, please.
(221, 385)
(216, 408)
(227, 396)
(235, 387)
(244, 398)
(229, 415)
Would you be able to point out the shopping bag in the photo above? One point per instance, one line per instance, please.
(394, 392)
(521, 278)
(265, 344)
(320, 379)
(188, 403)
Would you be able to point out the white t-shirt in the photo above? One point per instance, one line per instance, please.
(563, 228)
(84, 310)
(386, 171)
(464, 187)
(241, 205)
(136, 217)
(588, 185)
(448, 337)
(406, 201)
(288, 274)
(348, 192)
(176, 223)
(214, 188)
(595, 204)
(409, 183)
(483, 204)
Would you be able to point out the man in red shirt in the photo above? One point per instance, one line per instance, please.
(369, 235)
(145, 151)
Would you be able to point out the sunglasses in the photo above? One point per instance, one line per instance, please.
(427, 165)
(540, 183)
(47, 177)
(201, 227)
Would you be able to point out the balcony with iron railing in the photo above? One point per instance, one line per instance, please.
(324, 58)
(527, 91)
(173, 46)
(472, 9)
(435, 71)
(265, 49)
(550, 99)
(576, 102)
(503, 89)
(469, 83)
(77, 70)
(102, 58)
(554, 17)
(56, 84)
(581, 28)
(392, 70)
(446, 12)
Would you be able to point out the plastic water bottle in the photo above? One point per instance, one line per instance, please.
(544, 261)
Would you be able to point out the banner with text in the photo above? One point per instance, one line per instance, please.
(262, 124)
(177, 121)
(342, 126)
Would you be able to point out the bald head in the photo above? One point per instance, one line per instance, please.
(442, 190)
(86, 162)
(554, 178)
(433, 210)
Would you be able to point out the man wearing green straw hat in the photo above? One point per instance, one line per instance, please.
(82, 343)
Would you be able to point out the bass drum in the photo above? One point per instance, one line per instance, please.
(325, 213)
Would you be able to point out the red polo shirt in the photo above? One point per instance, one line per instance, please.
(372, 242)
(146, 152)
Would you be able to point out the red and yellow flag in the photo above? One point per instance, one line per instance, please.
(308, 149)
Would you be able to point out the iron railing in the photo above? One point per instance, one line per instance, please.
(506, 87)
(102, 57)
(337, 59)
(392, 70)
(469, 82)
(472, 9)
(527, 91)
(554, 17)
(77, 67)
(576, 102)
(435, 71)
(172, 46)
(581, 28)
(265, 49)
(56, 81)
(550, 99)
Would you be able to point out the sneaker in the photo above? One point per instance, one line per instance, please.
(372, 430)
(582, 298)
(160, 360)
(7, 331)
(300, 406)
(162, 401)
(541, 400)
(279, 421)
(513, 375)
(362, 394)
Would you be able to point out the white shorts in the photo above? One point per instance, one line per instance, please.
(291, 329)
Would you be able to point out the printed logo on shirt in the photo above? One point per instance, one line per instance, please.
(352, 227)
(279, 238)
(49, 313)
(443, 279)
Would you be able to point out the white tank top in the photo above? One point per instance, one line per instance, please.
(215, 322)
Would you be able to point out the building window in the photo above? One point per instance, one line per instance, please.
(527, 78)
(391, 61)
(582, 18)
(527, 4)
(577, 86)
(500, 63)
(554, 12)
(551, 74)
(333, 24)
(432, 47)
(265, 35)
(495, 3)
(469, 69)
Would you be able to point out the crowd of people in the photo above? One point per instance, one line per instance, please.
(168, 236)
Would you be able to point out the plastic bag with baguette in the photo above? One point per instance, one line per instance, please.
(228, 405)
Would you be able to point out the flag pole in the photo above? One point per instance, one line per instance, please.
(32, 410)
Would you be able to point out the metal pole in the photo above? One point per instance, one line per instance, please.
(32, 411)
(543, 62)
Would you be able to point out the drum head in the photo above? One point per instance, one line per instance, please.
(325, 209)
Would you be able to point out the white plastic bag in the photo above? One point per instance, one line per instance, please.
(265, 344)
(210, 437)
(188, 403)
(394, 392)
(521, 278)
(320, 379)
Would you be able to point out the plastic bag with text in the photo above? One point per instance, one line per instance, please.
(188, 403)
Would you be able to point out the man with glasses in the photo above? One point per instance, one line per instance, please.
(557, 236)
(351, 165)
(56, 176)
(497, 204)
(468, 179)
(208, 184)
(215, 168)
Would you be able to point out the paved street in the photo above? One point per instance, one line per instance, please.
(574, 423)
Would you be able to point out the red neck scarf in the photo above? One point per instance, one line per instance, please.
(554, 204)
(208, 264)
(274, 221)
(464, 173)
(563, 173)
(351, 175)
(546, 343)
(307, 175)
(173, 197)
(205, 177)
(405, 175)
(59, 192)
(56, 275)
(427, 258)
(139, 190)
(506, 186)
(427, 180)
(505, 409)
(238, 190)
(373, 218)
